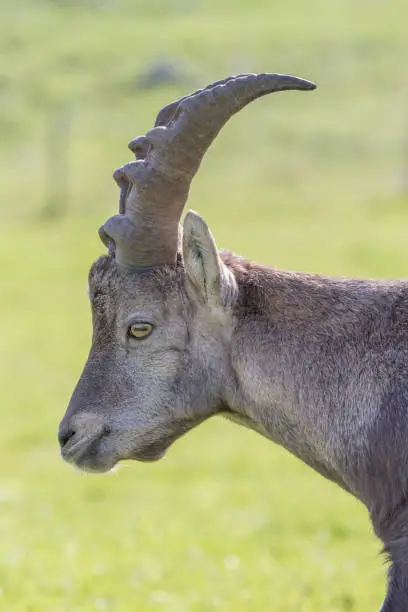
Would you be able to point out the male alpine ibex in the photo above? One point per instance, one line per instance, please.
(182, 332)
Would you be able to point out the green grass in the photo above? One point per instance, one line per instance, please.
(319, 181)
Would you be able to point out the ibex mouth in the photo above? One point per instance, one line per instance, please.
(85, 452)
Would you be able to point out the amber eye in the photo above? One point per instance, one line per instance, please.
(140, 330)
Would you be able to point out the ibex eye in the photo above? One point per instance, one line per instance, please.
(140, 330)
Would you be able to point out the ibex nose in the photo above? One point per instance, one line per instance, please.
(79, 430)
(65, 433)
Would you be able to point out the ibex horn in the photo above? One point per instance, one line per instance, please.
(154, 188)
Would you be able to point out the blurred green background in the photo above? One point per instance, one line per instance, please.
(308, 181)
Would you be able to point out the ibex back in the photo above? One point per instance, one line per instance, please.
(182, 332)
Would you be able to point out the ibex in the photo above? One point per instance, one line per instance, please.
(183, 331)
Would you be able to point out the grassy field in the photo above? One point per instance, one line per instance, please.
(318, 181)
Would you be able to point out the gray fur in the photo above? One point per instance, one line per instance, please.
(318, 365)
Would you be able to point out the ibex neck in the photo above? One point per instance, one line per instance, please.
(305, 355)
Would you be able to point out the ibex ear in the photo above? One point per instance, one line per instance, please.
(208, 276)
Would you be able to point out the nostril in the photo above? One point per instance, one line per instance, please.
(65, 435)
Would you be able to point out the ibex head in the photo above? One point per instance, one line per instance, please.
(164, 303)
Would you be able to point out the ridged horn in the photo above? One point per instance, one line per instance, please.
(154, 188)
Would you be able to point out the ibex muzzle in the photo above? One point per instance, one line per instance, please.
(183, 331)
